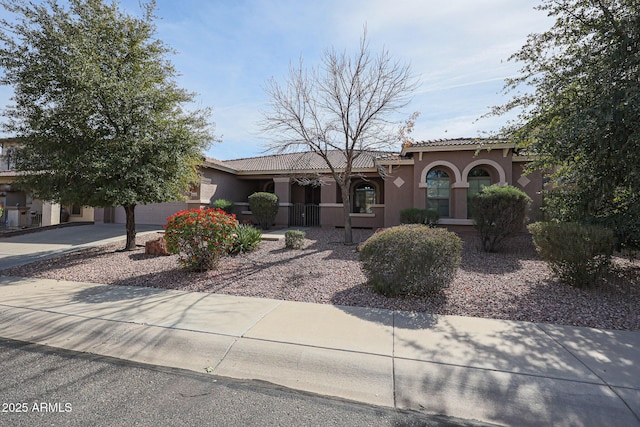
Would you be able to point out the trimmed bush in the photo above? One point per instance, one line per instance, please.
(246, 239)
(428, 217)
(498, 213)
(578, 255)
(223, 204)
(411, 259)
(264, 207)
(294, 239)
(200, 237)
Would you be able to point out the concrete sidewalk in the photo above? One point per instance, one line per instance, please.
(503, 372)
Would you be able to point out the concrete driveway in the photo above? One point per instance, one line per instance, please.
(26, 248)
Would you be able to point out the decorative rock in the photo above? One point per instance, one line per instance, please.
(156, 247)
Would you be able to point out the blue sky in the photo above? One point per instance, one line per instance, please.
(228, 49)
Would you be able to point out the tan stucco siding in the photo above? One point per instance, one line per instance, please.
(217, 184)
(153, 214)
(498, 162)
(86, 214)
(400, 191)
(532, 184)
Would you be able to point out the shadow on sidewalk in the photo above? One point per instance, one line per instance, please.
(110, 293)
(512, 373)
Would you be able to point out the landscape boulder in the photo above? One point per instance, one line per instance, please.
(156, 247)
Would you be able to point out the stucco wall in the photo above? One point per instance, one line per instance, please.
(332, 215)
(399, 191)
(86, 214)
(217, 184)
(153, 214)
(373, 220)
(50, 213)
(404, 187)
(458, 164)
(532, 184)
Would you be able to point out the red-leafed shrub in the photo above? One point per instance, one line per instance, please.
(200, 237)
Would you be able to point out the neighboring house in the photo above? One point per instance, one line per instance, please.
(19, 208)
(440, 174)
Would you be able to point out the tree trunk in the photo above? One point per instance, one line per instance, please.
(131, 227)
(346, 208)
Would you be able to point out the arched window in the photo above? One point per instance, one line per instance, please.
(364, 195)
(438, 186)
(478, 179)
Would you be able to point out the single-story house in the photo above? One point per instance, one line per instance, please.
(441, 174)
(19, 209)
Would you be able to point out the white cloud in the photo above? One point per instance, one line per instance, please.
(228, 49)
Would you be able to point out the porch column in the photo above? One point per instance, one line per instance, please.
(50, 213)
(459, 200)
(328, 190)
(331, 214)
(282, 189)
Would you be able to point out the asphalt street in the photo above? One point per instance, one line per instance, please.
(48, 386)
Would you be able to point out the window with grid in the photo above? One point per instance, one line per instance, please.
(438, 189)
(478, 179)
(364, 196)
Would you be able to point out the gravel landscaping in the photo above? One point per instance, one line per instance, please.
(513, 284)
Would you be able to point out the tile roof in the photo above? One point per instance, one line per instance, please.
(300, 161)
(214, 161)
(446, 142)
(309, 161)
(456, 144)
(218, 164)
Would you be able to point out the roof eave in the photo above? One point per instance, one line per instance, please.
(456, 147)
(396, 162)
(219, 167)
(300, 171)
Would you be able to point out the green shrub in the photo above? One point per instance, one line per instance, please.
(223, 204)
(428, 217)
(246, 239)
(294, 239)
(264, 207)
(499, 212)
(411, 259)
(577, 254)
(619, 212)
(200, 237)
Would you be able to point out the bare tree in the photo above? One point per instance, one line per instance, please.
(346, 104)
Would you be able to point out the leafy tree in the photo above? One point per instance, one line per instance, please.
(96, 106)
(344, 105)
(582, 115)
